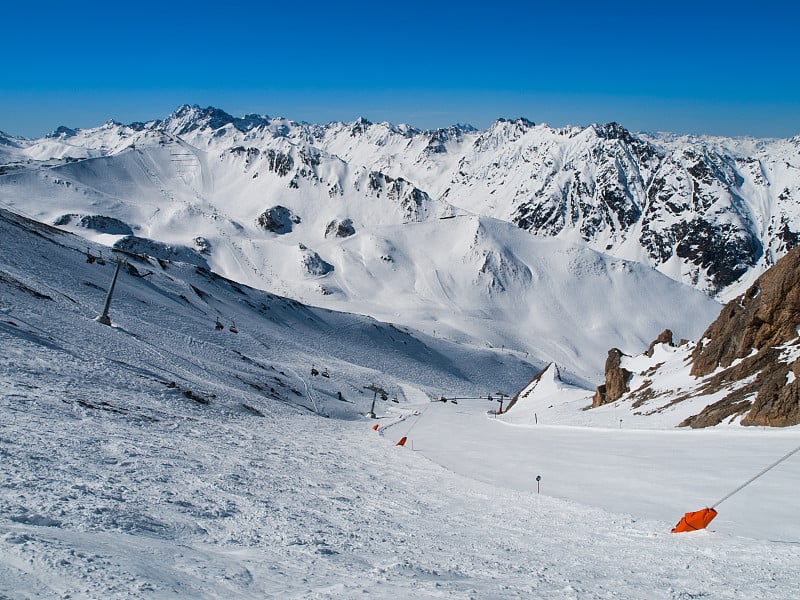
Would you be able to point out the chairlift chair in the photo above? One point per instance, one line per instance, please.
(219, 326)
(232, 328)
(325, 373)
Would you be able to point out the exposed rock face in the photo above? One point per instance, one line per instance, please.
(313, 264)
(756, 336)
(413, 202)
(99, 223)
(665, 337)
(340, 229)
(616, 380)
(279, 163)
(277, 219)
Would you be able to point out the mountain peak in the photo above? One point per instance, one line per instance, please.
(61, 132)
(612, 131)
(8, 140)
(359, 126)
(188, 118)
(520, 121)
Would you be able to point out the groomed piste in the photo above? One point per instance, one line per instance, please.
(160, 457)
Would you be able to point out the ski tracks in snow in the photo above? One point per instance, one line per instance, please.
(302, 507)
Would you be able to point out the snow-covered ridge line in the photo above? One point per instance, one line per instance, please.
(711, 212)
(410, 227)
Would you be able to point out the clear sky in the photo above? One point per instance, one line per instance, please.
(687, 66)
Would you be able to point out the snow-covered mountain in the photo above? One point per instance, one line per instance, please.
(710, 212)
(185, 334)
(431, 229)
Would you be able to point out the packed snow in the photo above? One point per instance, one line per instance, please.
(161, 457)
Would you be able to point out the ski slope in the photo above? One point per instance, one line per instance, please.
(161, 458)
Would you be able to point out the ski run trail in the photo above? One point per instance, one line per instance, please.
(159, 458)
(297, 506)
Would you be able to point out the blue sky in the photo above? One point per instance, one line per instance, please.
(697, 67)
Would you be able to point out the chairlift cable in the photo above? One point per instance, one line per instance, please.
(759, 474)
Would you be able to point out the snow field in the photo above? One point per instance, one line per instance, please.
(114, 483)
(302, 507)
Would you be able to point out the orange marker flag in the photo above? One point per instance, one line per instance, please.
(692, 521)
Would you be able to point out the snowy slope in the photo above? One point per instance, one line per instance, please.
(161, 458)
(49, 286)
(355, 217)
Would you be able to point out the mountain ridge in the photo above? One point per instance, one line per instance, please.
(706, 215)
(708, 211)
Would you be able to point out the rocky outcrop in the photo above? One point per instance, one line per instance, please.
(99, 223)
(277, 219)
(617, 378)
(665, 337)
(755, 340)
(412, 201)
(340, 229)
(313, 264)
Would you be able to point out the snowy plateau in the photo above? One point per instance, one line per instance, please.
(283, 280)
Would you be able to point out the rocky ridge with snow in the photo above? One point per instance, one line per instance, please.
(710, 212)
(744, 368)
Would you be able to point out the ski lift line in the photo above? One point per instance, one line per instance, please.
(419, 418)
(756, 476)
(79, 351)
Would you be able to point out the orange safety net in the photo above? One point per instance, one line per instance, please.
(375, 427)
(402, 441)
(692, 521)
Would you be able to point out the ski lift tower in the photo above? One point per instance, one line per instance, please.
(501, 396)
(378, 390)
(104, 318)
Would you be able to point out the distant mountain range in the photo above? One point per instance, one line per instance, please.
(494, 227)
(705, 211)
